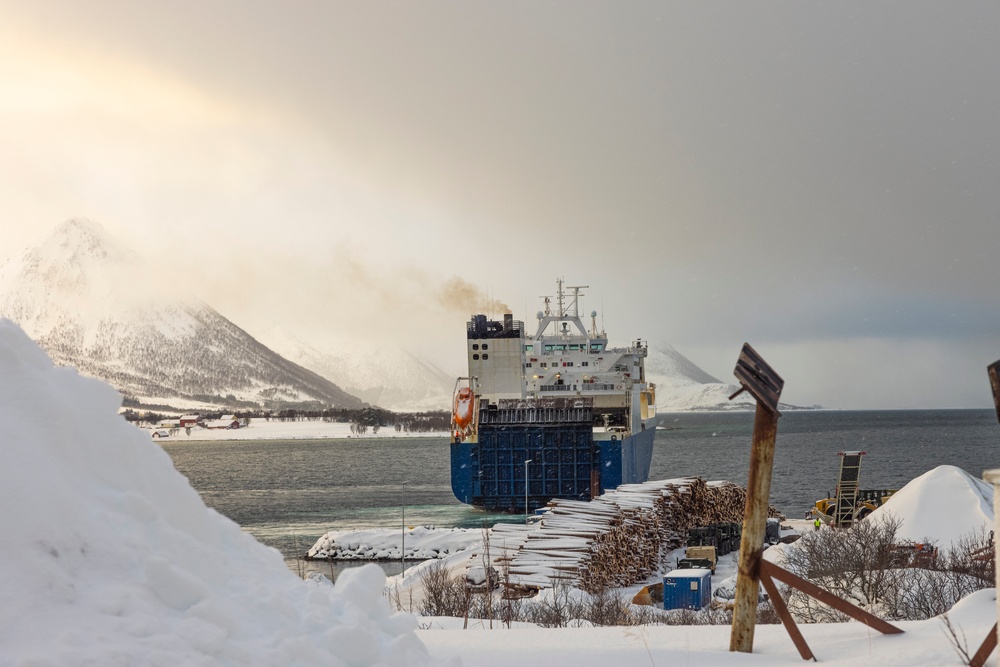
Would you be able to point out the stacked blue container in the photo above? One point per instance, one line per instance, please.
(687, 589)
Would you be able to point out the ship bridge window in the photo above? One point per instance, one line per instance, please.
(529, 348)
(549, 348)
(574, 347)
(561, 348)
(595, 347)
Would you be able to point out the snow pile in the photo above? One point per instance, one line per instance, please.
(944, 505)
(110, 557)
(419, 543)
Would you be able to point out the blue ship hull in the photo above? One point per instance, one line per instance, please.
(565, 461)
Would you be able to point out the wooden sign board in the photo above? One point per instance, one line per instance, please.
(759, 378)
(994, 371)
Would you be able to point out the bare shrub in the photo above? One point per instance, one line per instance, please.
(707, 616)
(606, 607)
(975, 557)
(957, 640)
(552, 609)
(766, 614)
(864, 566)
(444, 595)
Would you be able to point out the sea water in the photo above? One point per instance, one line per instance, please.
(289, 493)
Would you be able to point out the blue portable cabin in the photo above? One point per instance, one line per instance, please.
(687, 589)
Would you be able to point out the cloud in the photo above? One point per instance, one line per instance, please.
(779, 173)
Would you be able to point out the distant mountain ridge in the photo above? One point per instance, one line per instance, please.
(91, 304)
(94, 305)
(681, 386)
(382, 375)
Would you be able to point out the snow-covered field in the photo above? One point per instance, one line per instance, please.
(109, 557)
(263, 429)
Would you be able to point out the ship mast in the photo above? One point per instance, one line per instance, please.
(565, 313)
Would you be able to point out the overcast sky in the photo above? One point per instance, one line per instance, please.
(821, 180)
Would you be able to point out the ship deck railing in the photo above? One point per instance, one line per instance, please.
(537, 416)
(579, 386)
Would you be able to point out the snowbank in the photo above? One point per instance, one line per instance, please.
(944, 505)
(110, 557)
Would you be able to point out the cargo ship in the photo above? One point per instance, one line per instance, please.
(557, 414)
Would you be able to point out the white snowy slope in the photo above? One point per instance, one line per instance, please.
(109, 557)
(681, 386)
(944, 505)
(94, 305)
(379, 374)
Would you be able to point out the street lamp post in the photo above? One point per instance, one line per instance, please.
(402, 544)
(526, 491)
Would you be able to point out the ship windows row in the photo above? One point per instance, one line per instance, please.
(563, 347)
(555, 364)
(475, 357)
(475, 346)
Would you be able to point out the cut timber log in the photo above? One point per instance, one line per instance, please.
(618, 539)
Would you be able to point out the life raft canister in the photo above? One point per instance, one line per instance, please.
(464, 403)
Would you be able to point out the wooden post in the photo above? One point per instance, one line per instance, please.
(993, 477)
(993, 371)
(765, 430)
(757, 377)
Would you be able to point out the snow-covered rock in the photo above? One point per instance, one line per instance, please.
(418, 543)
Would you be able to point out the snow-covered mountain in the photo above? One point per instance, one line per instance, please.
(379, 374)
(96, 306)
(682, 386)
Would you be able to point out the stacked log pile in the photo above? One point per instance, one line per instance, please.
(622, 537)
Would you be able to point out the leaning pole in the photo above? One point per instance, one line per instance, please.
(757, 377)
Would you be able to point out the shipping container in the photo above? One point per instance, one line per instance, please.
(687, 589)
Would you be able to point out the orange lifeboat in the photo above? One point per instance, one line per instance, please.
(464, 405)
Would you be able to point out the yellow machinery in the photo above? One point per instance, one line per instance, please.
(849, 503)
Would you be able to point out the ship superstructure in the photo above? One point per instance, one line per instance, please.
(559, 411)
